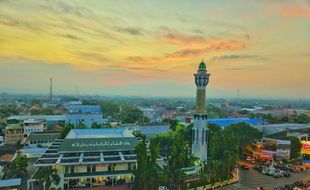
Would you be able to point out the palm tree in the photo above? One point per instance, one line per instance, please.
(18, 167)
(48, 176)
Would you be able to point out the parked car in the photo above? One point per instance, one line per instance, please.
(257, 168)
(264, 170)
(271, 172)
(286, 174)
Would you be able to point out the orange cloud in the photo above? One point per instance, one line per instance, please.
(297, 11)
(201, 44)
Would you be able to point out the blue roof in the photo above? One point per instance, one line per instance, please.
(10, 182)
(84, 109)
(228, 121)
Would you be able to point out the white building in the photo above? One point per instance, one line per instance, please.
(31, 126)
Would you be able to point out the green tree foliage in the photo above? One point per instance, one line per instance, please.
(80, 126)
(18, 167)
(45, 111)
(19, 145)
(173, 124)
(245, 133)
(175, 146)
(223, 154)
(48, 176)
(215, 112)
(8, 110)
(95, 125)
(146, 175)
(131, 114)
(301, 118)
(65, 130)
(110, 109)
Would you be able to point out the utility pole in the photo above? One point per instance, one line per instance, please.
(51, 90)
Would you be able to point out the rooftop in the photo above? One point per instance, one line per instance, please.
(229, 121)
(43, 136)
(10, 182)
(99, 133)
(13, 127)
(97, 144)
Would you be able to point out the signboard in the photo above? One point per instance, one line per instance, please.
(305, 147)
(283, 149)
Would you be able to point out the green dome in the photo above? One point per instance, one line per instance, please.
(202, 66)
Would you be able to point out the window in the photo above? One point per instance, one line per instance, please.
(202, 137)
(206, 137)
(193, 135)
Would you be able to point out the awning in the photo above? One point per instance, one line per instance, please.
(266, 157)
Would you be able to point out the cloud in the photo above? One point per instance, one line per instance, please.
(198, 31)
(186, 53)
(232, 56)
(183, 39)
(129, 30)
(199, 42)
(295, 11)
(71, 37)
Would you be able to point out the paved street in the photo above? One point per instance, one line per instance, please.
(250, 179)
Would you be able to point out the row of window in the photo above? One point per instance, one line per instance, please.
(33, 130)
(204, 136)
(39, 142)
(92, 168)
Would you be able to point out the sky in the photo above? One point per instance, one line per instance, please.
(152, 48)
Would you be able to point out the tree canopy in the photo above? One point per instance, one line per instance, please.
(18, 167)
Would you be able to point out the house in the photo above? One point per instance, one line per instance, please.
(14, 133)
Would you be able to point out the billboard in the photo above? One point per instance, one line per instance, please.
(305, 147)
(283, 149)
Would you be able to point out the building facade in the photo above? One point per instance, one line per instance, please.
(200, 128)
(32, 126)
(91, 157)
(14, 133)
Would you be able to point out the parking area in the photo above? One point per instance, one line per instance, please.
(250, 179)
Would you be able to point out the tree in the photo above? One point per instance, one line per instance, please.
(95, 125)
(19, 145)
(131, 114)
(146, 175)
(65, 130)
(48, 176)
(295, 146)
(245, 133)
(80, 126)
(110, 109)
(302, 118)
(223, 154)
(18, 167)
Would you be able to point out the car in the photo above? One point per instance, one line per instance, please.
(295, 169)
(286, 174)
(245, 167)
(277, 175)
(257, 168)
(271, 172)
(264, 170)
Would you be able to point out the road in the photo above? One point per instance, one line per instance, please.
(250, 179)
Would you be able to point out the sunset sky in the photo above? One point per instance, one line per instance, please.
(152, 48)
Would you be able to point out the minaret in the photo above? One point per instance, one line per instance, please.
(199, 133)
